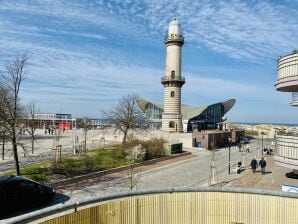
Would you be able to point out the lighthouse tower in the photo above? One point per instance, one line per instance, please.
(173, 81)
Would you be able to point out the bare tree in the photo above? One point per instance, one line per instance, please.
(3, 138)
(10, 107)
(57, 147)
(31, 123)
(86, 125)
(135, 158)
(127, 115)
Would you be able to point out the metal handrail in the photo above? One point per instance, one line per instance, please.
(294, 97)
(174, 37)
(167, 78)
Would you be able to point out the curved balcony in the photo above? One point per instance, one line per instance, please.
(174, 39)
(294, 99)
(287, 151)
(177, 206)
(287, 80)
(179, 80)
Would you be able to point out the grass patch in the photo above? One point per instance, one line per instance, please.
(95, 160)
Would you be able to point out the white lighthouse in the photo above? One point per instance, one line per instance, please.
(173, 80)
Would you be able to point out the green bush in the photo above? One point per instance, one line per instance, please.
(37, 173)
(96, 160)
(89, 164)
(154, 148)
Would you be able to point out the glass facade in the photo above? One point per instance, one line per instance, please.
(210, 118)
(152, 111)
(63, 116)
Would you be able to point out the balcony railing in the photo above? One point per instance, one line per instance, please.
(287, 146)
(287, 79)
(294, 99)
(174, 79)
(179, 205)
(174, 37)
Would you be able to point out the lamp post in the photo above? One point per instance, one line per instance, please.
(229, 154)
(3, 144)
(275, 138)
(262, 133)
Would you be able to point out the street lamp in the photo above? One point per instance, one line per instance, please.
(229, 154)
(3, 144)
(262, 133)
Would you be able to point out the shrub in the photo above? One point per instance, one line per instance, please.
(36, 173)
(89, 163)
(154, 148)
(68, 167)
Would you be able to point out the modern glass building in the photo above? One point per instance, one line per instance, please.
(45, 120)
(193, 118)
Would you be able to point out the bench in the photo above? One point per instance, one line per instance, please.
(237, 169)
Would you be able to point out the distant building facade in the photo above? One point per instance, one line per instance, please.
(45, 120)
(193, 118)
(213, 139)
(93, 122)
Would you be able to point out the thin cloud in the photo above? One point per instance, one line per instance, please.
(93, 52)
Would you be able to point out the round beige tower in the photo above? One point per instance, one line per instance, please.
(173, 81)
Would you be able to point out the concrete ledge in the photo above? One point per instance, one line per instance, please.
(286, 162)
(114, 170)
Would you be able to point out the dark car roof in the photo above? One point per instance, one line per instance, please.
(11, 179)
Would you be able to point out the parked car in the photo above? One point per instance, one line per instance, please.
(18, 192)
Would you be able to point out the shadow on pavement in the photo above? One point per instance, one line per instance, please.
(9, 213)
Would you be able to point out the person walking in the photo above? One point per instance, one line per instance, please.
(254, 164)
(262, 164)
(247, 148)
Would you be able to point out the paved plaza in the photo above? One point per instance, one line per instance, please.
(187, 172)
(194, 171)
(190, 172)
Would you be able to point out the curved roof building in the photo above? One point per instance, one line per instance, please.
(194, 118)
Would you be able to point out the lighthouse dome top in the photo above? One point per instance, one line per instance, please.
(175, 27)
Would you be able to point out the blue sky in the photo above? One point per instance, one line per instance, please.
(85, 55)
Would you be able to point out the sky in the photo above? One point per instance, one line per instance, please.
(85, 55)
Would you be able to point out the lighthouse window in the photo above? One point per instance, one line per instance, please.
(172, 124)
(173, 74)
(172, 94)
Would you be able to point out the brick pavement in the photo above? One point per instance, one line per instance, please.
(272, 180)
(121, 174)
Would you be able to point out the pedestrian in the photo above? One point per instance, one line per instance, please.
(262, 164)
(247, 148)
(49, 131)
(239, 146)
(239, 166)
(254, 164)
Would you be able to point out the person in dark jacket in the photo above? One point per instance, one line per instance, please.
(254, 164)
(262, 164)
